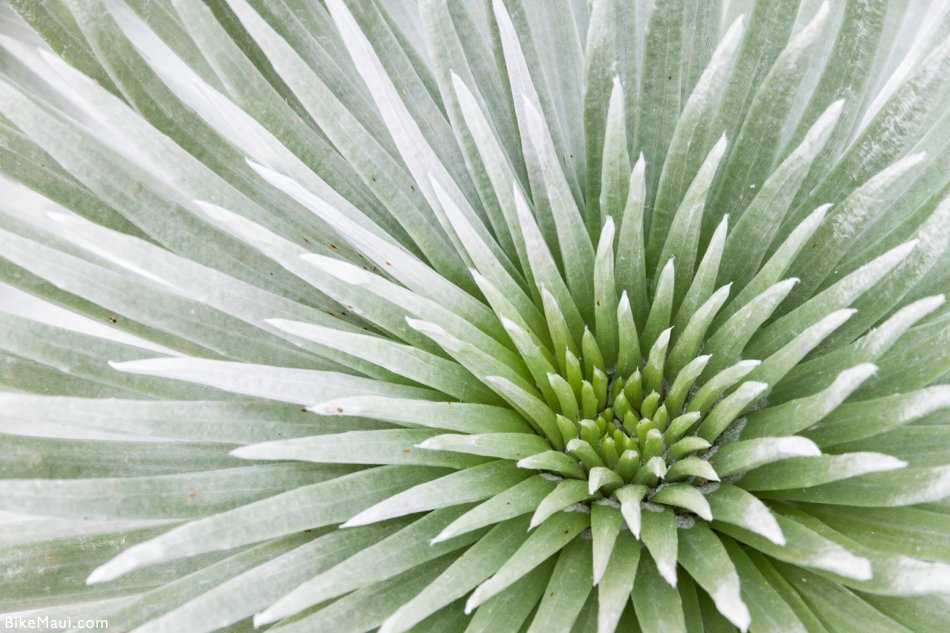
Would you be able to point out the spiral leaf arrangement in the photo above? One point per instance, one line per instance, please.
(475, 316)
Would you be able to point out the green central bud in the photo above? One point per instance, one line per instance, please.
(627, 405)
(633, 410)
(625, 428)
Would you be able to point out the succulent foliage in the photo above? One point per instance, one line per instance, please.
(507, 315)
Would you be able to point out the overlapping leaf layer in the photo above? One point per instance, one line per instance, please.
(520, 315)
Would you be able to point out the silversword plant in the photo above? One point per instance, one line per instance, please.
(477, 315)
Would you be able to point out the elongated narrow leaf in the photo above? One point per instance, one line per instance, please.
(520, 499)
(356, 447)
(480, 561)
(704, 557)
(658, 605)
(553, 535)
(748, 454)
(804, 472)
(301, 386)
(303, 508)
(403, 550)
(567, 589)
(618, 581)
(766, 605)
(605, 522)
(659, 534)
(472, 484)
(454, 416)
(732, 504)
(806, 547)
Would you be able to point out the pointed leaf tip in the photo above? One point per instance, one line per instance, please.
(126, 561)
(731, 605)
(263, 618)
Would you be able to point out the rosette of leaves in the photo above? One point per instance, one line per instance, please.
(516, 315)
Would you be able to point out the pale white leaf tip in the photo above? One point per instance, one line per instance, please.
(144, 366)
(889, 462)
(623, 305)
(442, 536)
(771, 530)
(471, 604)
(599, 570)
(61, 218)
(535, 521)
(102, 574)
(365, 517)
(721, 144)
(817, 215)
(129, 560)
(478, 596)
(900, 252)
(575, 444)
(738, 23)
(859, 372)
(931, 303)
(509, 325)
(730, 604)
(667, 570)
(263, 171)
(429, 329)
(798, 446)
(723, 226)
(844, 563)
(244, 452)
(264, 618)
(285, 325)
(606, 237)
